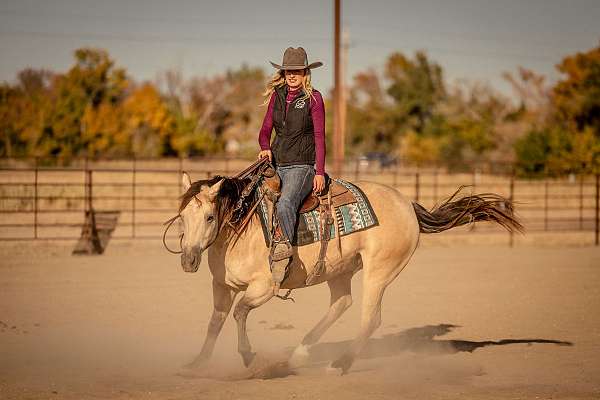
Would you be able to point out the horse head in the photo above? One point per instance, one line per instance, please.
(199, 214)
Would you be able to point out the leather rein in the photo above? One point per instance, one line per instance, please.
(257, 166)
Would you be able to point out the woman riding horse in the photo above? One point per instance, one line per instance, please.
(213, 222)
(297, 113)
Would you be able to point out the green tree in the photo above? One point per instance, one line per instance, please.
(577, 96)
(417, 88)
(92, 87)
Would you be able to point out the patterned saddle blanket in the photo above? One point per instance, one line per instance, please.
(351, 217)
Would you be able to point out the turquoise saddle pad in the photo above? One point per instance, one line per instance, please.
(349, 218)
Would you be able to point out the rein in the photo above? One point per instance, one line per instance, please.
(257, 168)
(164, 238)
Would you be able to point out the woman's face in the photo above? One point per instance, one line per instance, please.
(294, 78)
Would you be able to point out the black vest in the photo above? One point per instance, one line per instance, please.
(294, 131)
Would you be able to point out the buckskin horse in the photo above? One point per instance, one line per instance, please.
(238, 260)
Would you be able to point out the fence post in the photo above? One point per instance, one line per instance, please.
(180, 174)
(435, 185)
(133, 177)
(545, 204)
(581, 178)
(511, 197)
(597, 206)
(35, 200)
(417, 188)
(89, 204)
(86, 179)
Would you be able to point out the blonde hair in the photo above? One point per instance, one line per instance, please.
(278, 80)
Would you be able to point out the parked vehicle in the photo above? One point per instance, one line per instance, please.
(384, 160)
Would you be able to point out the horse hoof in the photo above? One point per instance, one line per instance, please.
(247, 358)
(299, 357)
(343, 363)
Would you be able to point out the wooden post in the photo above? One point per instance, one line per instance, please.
(417, 186)
(35, 200)
(597, 207)
(89, 204)
(435, 185)
(337, 97)
(511, 197)
(545, 204)
(180, 174)
(133, 178)
(581, 178)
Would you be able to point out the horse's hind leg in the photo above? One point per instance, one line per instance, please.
(341, 299)
(223, 297)
(377, 275)
(257, 293)
(370, 321)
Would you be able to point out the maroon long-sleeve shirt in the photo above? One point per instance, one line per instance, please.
(317, 109)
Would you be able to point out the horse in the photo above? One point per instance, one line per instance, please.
(238, 259)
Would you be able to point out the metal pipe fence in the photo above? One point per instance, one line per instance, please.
(49, 202)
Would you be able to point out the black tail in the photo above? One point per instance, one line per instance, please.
(456, 211)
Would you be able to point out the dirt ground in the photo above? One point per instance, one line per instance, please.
(461, 321)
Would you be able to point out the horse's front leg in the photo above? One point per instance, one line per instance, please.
(257, 294)
(223, 297)
(341, 299)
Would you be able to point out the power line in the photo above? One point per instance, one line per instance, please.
(203, 41)
(169, 20)
(194, 40)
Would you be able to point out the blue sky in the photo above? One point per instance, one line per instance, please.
(474, 40)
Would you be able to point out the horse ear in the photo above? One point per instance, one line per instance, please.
(213, 191)
(185, 181)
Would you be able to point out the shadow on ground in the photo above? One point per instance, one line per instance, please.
(422, 340)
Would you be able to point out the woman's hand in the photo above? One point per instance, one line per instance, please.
(318, 183)
(266, 153)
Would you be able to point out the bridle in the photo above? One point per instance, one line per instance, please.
(170, 222)
(258, 165)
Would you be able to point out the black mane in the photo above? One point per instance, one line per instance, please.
(228, 197)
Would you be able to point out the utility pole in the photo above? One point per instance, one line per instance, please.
(343, 93)
(338, 149)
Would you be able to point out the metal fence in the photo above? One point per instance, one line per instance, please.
(48, 202)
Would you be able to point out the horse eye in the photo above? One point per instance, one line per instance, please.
(210, 218)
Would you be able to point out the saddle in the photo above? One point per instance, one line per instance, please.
(339, 194)
(334, 195)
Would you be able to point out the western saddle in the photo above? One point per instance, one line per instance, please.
(334, 195)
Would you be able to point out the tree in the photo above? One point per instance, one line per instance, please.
(90, 90)
(577, 97)
(23, 110)
(568, 139)
(417, 88)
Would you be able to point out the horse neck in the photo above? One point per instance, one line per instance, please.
(227, 238)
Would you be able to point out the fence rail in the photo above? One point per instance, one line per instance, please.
(43, 202)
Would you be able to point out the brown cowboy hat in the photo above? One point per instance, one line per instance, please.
(294, 59)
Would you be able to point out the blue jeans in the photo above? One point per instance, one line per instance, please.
(296, 184)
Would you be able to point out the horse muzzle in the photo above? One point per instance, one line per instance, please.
(190, 259)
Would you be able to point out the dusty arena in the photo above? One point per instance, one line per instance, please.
(461, 321)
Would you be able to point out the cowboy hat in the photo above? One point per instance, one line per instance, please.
(295, 59)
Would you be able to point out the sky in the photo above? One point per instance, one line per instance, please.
(473, 40)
